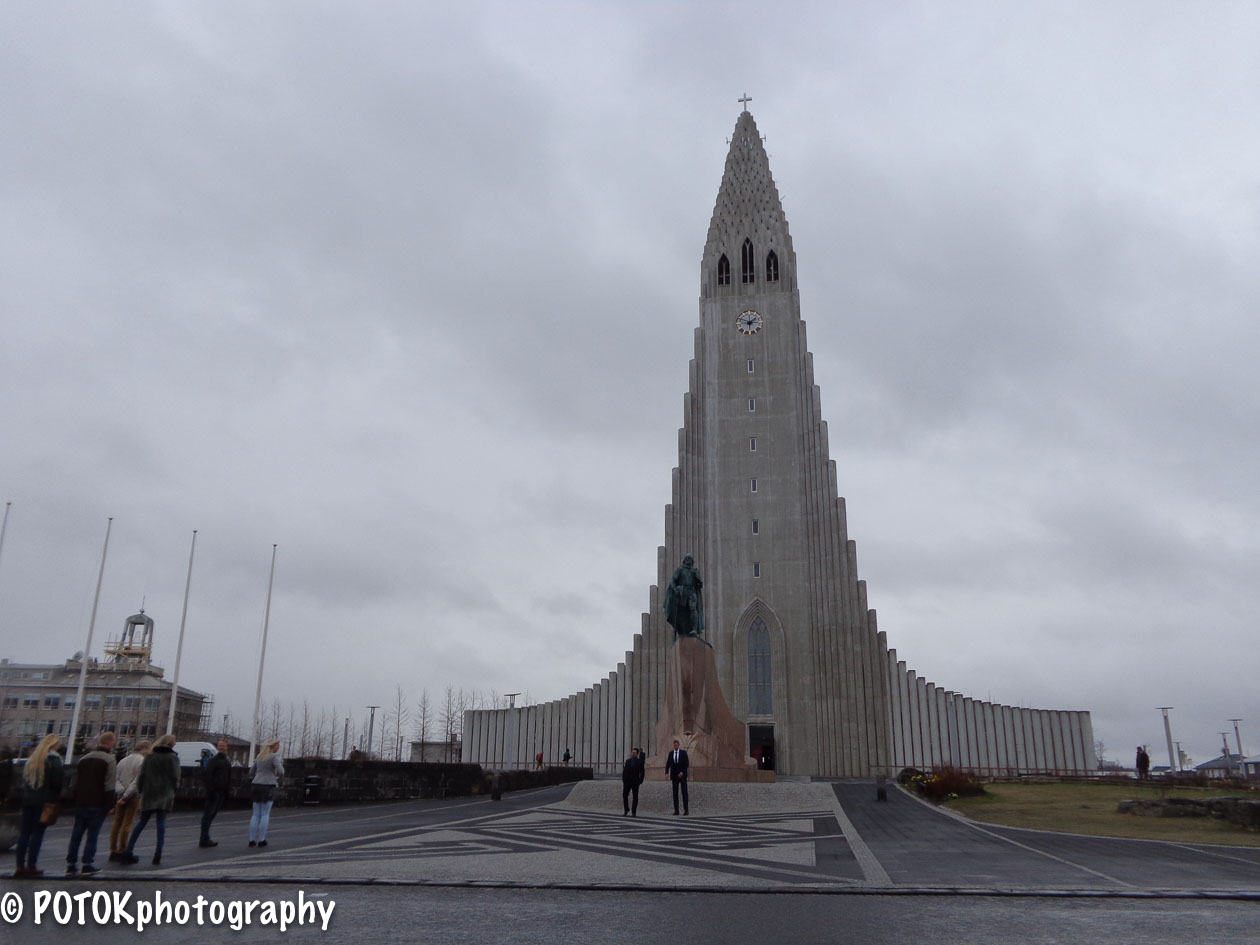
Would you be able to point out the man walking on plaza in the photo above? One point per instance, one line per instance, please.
(94, 781)
(676, 765)
(218, 777)
(632, 774)
(128, 800)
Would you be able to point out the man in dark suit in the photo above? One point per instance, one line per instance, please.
(676, 765)
(632, 774)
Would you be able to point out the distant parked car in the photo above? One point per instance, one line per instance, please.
(190, 753)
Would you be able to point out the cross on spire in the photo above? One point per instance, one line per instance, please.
(744, 101)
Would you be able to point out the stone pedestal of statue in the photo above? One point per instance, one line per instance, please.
(697, 715)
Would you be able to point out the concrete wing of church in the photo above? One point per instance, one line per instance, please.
(755, 502)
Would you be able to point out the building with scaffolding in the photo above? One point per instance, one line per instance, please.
(125, 692)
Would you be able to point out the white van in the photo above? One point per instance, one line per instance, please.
(190, 753)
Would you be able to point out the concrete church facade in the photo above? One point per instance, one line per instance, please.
(755, 502)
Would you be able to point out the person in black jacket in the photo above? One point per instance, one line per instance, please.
(632, 774)
(676, 765)
(95, 780)
(218, 778)
(41, 784)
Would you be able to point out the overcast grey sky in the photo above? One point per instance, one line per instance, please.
(409, 289)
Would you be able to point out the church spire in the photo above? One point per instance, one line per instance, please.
(747, 208)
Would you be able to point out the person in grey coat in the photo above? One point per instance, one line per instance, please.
(159, 776)
(265, 774)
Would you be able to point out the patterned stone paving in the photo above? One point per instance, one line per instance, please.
(582, 841)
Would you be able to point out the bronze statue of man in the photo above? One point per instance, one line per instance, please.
(684, 605)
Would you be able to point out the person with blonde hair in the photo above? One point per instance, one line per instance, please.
(159, 776)
(265, 774)
(41, 784)
(128, 793)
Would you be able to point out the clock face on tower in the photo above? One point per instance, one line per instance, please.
(749, 322)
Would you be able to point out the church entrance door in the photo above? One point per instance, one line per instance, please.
(761, 745)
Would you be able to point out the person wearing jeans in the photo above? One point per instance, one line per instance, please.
(94, 784)
(159, 776)
(265, 775)
(41, 784)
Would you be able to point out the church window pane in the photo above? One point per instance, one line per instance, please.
(746, 263)
(760, 700)
(724, 271)
(756, 569)
(772, 267)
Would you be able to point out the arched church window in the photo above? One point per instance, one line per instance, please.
(772, 267)
(724, 271)
(746, 261)
(760, 699)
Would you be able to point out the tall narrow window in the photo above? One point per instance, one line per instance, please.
(772, 267)
(724, 271)
(760, 695)
(752, 444)
(746, 263)
(756, 569)
(751, 365)
(756, 526)
(754, 485)
(752, 404)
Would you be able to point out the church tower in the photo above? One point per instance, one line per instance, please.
(755, 502)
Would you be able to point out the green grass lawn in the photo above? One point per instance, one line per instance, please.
(1091, 809)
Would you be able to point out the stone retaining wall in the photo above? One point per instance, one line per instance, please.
(1239, 811)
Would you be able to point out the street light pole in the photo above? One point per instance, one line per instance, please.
(1172, 761)
(371, 728)
(1242, 770)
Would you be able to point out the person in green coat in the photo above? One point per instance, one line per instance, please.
(159, 776)
(41, 784)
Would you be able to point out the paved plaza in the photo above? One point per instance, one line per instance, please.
(797, 861)
(790, 836)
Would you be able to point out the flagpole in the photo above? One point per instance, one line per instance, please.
(179, 650)
(4, 527)
(262, 658)
(87, 648)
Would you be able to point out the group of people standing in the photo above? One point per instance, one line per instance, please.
(143, 783)
(635, 770)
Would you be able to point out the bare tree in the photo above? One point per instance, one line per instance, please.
(395, 721)
(318, 734)
(451, 718)
(424, 718)
(304, 732)
(274, 717)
